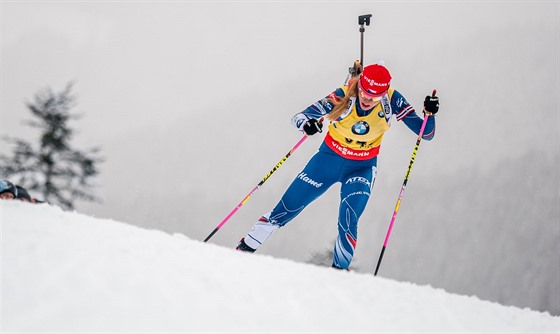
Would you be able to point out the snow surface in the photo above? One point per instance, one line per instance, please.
(68, 272)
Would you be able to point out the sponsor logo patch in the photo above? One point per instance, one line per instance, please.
(360, 128)
(302, 176)
(359, 179)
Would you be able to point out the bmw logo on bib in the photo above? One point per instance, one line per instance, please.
(360, 128)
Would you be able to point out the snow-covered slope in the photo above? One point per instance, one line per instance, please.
(67, 272)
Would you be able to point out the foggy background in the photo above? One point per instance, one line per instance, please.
(191, 105)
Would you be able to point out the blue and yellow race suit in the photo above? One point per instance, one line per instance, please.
(347, 155)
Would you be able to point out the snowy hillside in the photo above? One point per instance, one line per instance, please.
(67, 272)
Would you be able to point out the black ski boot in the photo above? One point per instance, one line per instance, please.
(338, 268)
(242, 246)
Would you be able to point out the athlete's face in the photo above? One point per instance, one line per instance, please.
(367, 101)
(7, 196)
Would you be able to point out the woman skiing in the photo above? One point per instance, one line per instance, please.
(360, 113)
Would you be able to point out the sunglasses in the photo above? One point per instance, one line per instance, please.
(369, 98)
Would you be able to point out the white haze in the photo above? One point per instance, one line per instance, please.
(190, 103)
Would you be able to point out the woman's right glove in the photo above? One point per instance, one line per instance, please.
(312, 126)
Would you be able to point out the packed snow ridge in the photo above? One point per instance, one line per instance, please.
(67, 272)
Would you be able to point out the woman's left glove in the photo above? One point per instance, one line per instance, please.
(431, 104)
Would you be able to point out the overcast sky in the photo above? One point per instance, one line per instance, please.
(191, 103)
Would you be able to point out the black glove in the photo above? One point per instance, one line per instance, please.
(431, 104)
(312, 126)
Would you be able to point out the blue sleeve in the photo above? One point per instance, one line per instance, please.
(317, 109)
(406, 113)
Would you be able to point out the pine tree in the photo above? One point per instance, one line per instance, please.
(54, 169)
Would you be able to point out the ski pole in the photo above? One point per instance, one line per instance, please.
(258, 186)
(402, 190)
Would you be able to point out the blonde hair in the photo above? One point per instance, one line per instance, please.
(341, 104)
